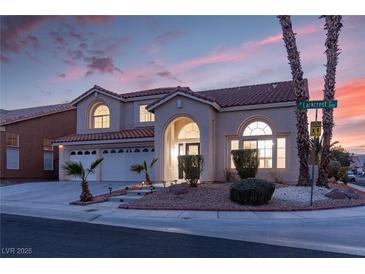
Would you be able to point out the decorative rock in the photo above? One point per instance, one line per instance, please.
(336, 194)
(351, 194)
(179, 188)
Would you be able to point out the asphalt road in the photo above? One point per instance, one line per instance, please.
(37, 237)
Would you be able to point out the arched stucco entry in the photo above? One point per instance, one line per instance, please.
(181, 136)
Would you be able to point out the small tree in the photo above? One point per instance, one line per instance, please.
(246, 162)
(192, 167)
(340, 154)
(144, 168)
(77, 170)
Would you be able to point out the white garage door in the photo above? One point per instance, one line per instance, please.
(117, 163)
(86, 157)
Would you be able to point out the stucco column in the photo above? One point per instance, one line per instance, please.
(159, 151)
(207, 150)
(98, 169)
(62, 158)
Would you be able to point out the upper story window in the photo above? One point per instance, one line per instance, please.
(47, 145)
(144, 115)
(101, 117)
(12, 140)
(12, 151)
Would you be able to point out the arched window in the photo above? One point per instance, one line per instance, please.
(259, 135)
(189, 131)
(101, 117)
(257, 129)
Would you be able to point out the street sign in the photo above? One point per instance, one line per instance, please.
(315, 129)
(306, 104)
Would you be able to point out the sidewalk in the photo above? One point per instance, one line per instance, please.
(336, 230)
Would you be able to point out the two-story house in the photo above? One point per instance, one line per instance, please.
(163, 123)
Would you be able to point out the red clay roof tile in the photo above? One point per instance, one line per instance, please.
(140, 132)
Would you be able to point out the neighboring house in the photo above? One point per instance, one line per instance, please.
(128, 128)
(26, 141)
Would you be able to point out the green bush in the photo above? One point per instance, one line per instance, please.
(192, 167)
(252, 192)
(333, 169)
(342, 174)
(246, 162)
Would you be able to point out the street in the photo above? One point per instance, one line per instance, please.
(39, 237)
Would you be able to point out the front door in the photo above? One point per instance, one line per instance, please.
(190, 149)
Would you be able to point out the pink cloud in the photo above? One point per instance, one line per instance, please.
(162, 39)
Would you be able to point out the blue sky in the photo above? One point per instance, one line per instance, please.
(49, 60)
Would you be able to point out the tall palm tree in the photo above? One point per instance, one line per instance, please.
(300, 94)
(144, 168)
(77, 170)
(333, 26)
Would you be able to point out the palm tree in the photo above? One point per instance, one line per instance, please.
(333, 26)
(77, 170)
(144, 168)
(301, 94)
(316, 144)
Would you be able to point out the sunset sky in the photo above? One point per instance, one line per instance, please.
(50, 60)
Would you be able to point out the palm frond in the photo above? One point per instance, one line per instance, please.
(153, 162)
(95, 164)
(137, 168)
(145, 165)
(75, 169)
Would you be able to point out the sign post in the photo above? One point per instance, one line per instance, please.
(315, 128)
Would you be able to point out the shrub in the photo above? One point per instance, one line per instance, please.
(192, 167)
(252, 192)
(333, 169)
(342, 174)
(246, 162)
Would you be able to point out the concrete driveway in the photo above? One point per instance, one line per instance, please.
(336, 230)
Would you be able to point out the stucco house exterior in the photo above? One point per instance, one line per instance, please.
(163, 123)
(26, 137)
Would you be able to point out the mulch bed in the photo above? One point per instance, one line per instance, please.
(100, 198)
(215, 197)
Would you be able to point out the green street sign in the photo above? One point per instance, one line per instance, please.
(317, 104)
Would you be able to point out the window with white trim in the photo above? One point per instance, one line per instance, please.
(12, 150)
(281, 152)
(256, 135)
(48, 160)
(101, 117)
(144, 115)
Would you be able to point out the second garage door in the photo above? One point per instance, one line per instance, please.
(117, 163)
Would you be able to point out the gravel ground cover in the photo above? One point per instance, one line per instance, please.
(215, 196)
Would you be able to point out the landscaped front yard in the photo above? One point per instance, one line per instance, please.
(215, 196)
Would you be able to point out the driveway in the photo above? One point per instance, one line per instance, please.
(337, 230)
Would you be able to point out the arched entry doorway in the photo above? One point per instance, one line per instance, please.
(182, 137)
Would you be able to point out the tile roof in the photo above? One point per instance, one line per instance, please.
(149, 92)
(252, 95)
(225, 97)
(140, 132)
(244, 95)
(16, 115)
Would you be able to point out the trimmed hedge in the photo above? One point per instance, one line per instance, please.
(192, 166)
(246, 162)
(252, 191)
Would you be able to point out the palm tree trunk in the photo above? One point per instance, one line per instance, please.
(333, 26)
(301, 94)
(85, 192)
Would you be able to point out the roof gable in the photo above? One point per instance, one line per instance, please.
(186, 92)
(97, 89)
